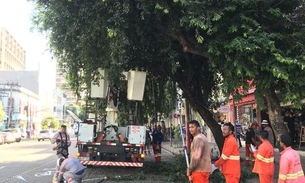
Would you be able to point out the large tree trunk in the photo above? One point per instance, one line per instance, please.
(205, 113)
(274, 112)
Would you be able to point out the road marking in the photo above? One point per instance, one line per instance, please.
(2, 167)
(19, 177)
(47, 173)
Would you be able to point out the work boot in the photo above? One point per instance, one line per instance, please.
(159, 158)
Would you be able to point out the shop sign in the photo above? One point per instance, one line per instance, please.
(224, 109)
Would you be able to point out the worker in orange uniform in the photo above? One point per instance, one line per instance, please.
(264, 158)
(156, 143)
(200, 165)
(229, 160)
(290, 163)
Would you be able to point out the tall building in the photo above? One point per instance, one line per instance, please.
(62, 83)
(12, 55)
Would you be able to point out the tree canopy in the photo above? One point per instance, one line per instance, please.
(50, 122)
(197, 44)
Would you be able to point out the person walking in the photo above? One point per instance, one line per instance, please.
(239, 132)
(148, 141)
(264, 159)
(290, 170)
(200, 164)
(289, 121)
(63, 142)
(250, 139)
(229, 160)
(266, 127)
(157, 140)
(70, 170)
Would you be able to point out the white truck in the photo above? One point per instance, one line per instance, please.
(108, 144)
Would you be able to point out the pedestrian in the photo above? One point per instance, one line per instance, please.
(239, 132)
(157, 140)
(229, 161)
(63, 142)
(250, 139)
(266, 127)
(289, 121)
(148, 141)
(200, 164)
(264, 159)
(290, 163)
(70, 170)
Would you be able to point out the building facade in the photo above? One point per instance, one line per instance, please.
(12, 55)
(29, 103)
(20, 106)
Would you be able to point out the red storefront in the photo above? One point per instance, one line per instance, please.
(244, 110)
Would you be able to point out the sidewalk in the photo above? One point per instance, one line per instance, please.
(175, 148)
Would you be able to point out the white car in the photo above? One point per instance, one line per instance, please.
(16, 132)
(44, 134)
(8, 137)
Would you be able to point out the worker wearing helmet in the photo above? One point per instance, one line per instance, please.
(70, 170)
(266, 126)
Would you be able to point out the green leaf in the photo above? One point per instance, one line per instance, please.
(216, 17)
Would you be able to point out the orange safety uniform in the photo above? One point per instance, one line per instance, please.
(264, 162)
(290, 167)
(230, 160)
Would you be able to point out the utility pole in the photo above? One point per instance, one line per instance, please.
(10, 102)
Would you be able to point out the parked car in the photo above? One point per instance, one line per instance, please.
(16, 132)
(44, 134)
(1, 139)
(8, 137)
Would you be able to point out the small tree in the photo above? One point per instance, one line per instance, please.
(49, 122)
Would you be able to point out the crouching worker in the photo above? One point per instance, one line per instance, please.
(70, 170)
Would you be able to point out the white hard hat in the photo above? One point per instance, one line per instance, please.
(265, 122)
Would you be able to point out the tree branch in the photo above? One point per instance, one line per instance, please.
(191, 47)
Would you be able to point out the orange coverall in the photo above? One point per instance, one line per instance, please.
(230, 160)
(290, 167)
(264, 162)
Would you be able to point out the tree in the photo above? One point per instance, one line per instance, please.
(197, 44)
(49, 122)
(2, 113)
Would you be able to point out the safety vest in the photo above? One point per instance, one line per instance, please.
(264, 159)
(229, 159)
(290, 167)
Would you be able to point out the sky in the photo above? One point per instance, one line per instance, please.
(15, 16)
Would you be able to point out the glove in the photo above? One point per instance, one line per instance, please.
(252, 148)
(54, 180)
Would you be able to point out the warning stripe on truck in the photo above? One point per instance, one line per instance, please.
(110, 144)
(111, 163)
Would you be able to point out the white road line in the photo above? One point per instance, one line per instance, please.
(2, 167)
